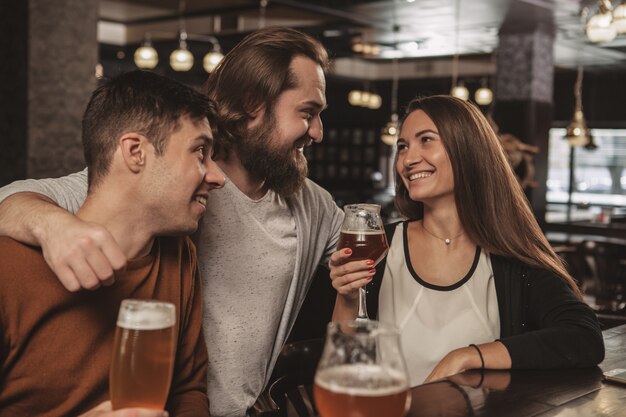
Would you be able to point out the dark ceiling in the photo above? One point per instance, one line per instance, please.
(410, 30)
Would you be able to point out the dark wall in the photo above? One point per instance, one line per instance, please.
(13, 84)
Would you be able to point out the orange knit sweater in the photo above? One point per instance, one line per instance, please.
(55, 346)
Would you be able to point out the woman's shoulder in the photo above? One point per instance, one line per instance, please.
(392, 227)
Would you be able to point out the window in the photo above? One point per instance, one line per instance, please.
(599, 176)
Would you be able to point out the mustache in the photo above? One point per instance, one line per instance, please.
(303, 141)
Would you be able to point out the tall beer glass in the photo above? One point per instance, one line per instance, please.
(361, 372)
(143, 354)
(362, 231)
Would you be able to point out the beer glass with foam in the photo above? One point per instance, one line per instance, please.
(143, 354)
(362, 231)
(361, 372)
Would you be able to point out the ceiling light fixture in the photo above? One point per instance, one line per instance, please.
(365, 99)
(576, 132)
(483, 96)
(146, 56)
(366, 48)
(600, 27)
(354, 97)
(458, 89)
(619, 18)
(389, 134)
(213, 57)
(181, 59)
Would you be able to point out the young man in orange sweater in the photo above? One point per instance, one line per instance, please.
(147, 143)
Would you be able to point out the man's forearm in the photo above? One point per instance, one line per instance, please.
(23, 216)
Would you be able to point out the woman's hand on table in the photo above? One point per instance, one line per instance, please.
(454, 362)
(105, 409)
(493, 355)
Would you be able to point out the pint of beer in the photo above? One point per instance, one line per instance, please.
(361, 390)
(361, 372)
(143, 354)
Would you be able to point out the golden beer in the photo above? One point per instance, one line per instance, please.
(143, 355)
(361, 391)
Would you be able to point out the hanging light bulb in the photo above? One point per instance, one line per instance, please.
(619, 18)
(211, 60)
(576, 132)
(146, 56)
(483, 96)
(181, 59)
(389, 134)
(600, 27)
(354, 97)
(374, 102)
(365, 98)
(357, 47)
(460, 91)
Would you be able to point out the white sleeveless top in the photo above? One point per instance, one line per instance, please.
(434, 320)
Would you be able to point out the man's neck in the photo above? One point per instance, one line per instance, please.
(116, 212)
(254, 188)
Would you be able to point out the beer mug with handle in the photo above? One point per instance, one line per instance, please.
(361, 372)
(143, 354)
(363, 232)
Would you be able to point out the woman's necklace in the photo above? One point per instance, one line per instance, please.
(447, 241)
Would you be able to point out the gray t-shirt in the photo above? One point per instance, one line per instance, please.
(244, 322)
(245, 288)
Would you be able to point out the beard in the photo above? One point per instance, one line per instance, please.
(283, 168)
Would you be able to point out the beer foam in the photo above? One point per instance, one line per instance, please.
(146, 315)
(363, 232)
(362, 380)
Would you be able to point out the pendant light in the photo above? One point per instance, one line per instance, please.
(619, 18)
(484, 95)
(214, 57)
(600, 27)
(181, 59)
(389, 134)
(146, 56)
(577, 133)
(458, 89)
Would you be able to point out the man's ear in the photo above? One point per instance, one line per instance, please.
(134, 148)
(256, 116)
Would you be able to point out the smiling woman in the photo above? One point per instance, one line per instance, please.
(470, 280)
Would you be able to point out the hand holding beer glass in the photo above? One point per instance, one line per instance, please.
(143, 354)
(362, 231)
(361, 372)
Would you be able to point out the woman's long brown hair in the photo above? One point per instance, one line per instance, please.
(491, 204)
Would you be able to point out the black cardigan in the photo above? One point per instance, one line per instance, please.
(542, 322)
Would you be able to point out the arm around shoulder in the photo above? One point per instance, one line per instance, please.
(82, 255)
(25, 204)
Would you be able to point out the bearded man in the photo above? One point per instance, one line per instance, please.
(262, 236)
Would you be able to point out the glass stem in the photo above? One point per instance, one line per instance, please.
(362, 315)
